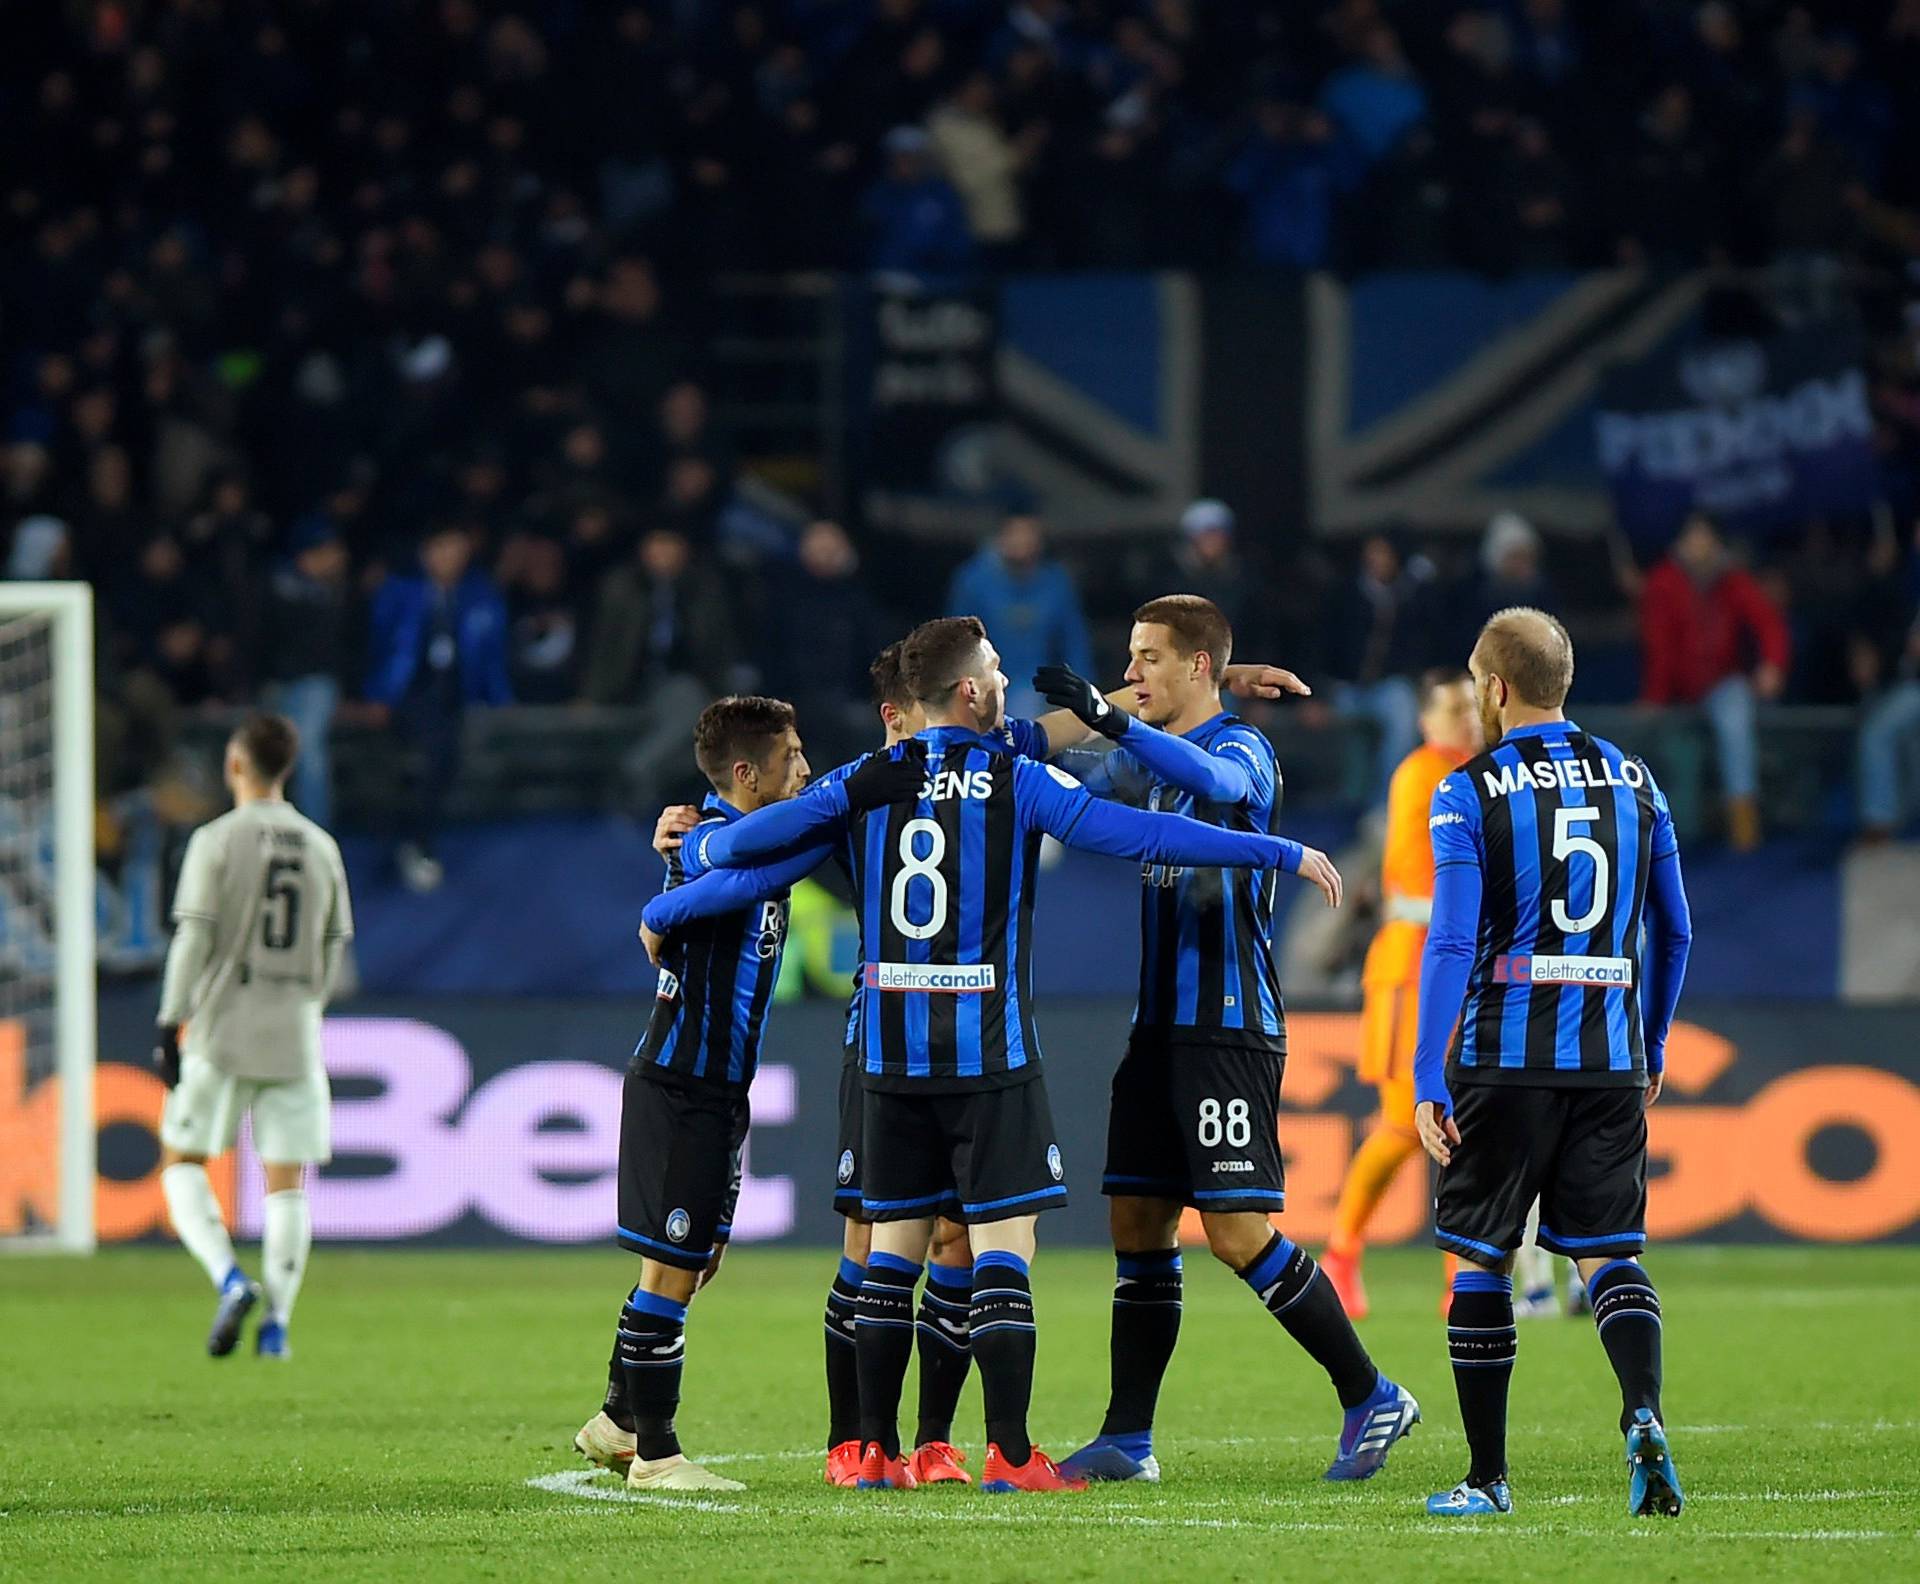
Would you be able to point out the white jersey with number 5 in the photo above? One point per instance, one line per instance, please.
(271, 885)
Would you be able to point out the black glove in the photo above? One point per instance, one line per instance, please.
(166, 1052)
(883, 779)
(1064, 688)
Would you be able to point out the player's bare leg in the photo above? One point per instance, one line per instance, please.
(883, 1344)
(1145, 1328)
(843, 1375)
(1626, 1312)
(202, 1229)
(285, 1242)
(944, 1343)
(1376, 1412)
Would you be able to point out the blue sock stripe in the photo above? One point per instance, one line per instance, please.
(1466, 1281)
(1159, 1262)
(1263, 1271)
(1001, 1257)
(955, 1278)
(895, 1264)
(850, 1273)
(655, 1304)
(1593, 1284)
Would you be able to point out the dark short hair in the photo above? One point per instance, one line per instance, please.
(937, 654)
(888, 679)
(736, 728)
(1434, 678)
(1531, 652)
(1198, 626)
(271, 744)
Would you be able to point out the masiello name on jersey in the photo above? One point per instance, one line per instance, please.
(1557, 774)
(946, 978)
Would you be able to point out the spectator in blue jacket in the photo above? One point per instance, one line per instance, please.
(439, 644)
(1030, 605)
(1375, 101)
(915, 220)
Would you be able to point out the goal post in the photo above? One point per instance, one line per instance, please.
(48, 1041)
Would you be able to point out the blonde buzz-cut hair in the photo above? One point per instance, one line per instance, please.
(1531, 652)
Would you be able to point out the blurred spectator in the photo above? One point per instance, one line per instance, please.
(1376, 99)
(1710, 637)
(1029, 604)
(1887, 669)
(1380, 634)
(1291, 173)
(306, 635)
(438, 646)
(1668, 190)
(913, 217)
(1206, 563)
(41, 550)
(827, 631)
(1802, 187)
(661, 638)
(984, 165)
(546, 638)
(1510, 573)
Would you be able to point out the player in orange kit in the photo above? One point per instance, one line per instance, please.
(1451, 734)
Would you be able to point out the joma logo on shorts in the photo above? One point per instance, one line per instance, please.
(1233, 1166)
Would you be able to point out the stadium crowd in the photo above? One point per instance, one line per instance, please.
(353, 350)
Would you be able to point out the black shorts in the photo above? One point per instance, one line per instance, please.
(982, 1155)
(680, 1168)
(1582, 1152)
(1196, 1123)
(846, 1169)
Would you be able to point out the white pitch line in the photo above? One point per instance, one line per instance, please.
(580, 1483)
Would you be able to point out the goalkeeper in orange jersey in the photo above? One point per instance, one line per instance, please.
(1451, 734)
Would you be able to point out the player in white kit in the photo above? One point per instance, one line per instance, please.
(261, 923)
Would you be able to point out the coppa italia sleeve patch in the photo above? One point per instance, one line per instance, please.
(1063, 778)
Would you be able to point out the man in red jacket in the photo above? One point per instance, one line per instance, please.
(1709, 636)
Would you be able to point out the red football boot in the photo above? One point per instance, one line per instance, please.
(938, 1462)
(1038, 1473)
(880, 1472)
(843, 1464)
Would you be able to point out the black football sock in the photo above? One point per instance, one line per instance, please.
(1289, 1283)
(883, 1344)
(615, 1406)
(1146, 1325)
(1003, 1344)
(945, 1348)
(843, 1370)
(1626, 1312)
(652, 1351)
(1483, 1344)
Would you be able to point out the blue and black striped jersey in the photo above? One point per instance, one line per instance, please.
(716, 984)
(1565, 830)
(1208, 974)
(1025, 738)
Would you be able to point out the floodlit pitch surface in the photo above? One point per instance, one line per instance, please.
(423, 1430)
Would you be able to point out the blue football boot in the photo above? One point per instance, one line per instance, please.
(1471, 1501)
(238, 1295)
(1106, 1457)
(1655, 1488)
(1370, 1430)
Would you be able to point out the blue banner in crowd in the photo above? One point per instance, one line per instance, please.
(1763, 434)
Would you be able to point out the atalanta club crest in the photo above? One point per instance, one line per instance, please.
(1053, 1162)
(679, 1224)
(846, 1167)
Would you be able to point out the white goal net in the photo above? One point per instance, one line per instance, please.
(47, 1140)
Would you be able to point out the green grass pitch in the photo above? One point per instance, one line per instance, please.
(418, 1431)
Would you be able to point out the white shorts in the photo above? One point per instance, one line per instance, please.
(292, 1118)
